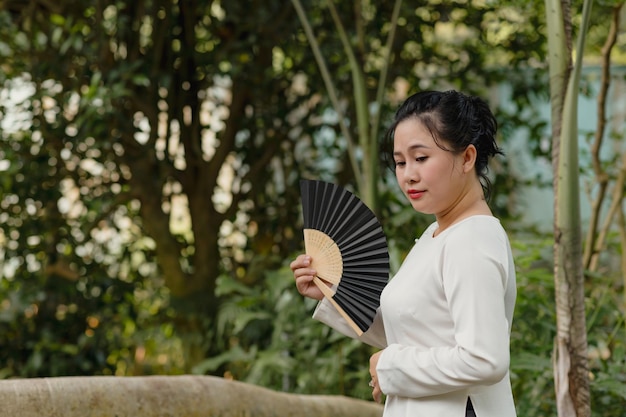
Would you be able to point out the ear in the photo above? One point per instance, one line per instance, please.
(469, 158)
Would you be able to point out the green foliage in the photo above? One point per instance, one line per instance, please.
(271, 340)
(116, 116)
(130, 111)
(607, 345)
(87, 189)
(534, 328)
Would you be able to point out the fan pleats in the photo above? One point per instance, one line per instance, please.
(354, 229)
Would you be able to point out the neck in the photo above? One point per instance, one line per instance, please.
(471, 204)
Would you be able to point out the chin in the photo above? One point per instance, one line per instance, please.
(424, 209)
(420, 209)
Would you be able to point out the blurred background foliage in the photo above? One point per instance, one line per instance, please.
(149, 206)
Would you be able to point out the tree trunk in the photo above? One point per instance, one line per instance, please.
(180, 396)
(570, 351)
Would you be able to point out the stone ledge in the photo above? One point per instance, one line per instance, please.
(166, 396)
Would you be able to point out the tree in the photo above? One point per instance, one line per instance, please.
(571, 372)
(143, 109)
(141, 115)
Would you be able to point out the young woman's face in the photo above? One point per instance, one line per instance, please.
(432, 178)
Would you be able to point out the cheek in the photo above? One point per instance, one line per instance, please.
(399, 180)
(439, 170)
(398, 173)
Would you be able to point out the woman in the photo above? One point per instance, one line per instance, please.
(445, 318)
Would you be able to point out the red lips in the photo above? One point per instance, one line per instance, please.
(415, 194)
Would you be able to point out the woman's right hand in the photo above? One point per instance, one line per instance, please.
(304, 274)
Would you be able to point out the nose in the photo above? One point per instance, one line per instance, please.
(407, 175)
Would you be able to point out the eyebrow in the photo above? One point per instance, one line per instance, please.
(412, 148)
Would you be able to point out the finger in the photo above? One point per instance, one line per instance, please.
(304, 276)
(377, 394)
(304, 282)
(304, 273)
(302, 261)
(373, 373)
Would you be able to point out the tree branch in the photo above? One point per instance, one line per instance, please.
(382, 80)
(617, 200)
(601, 176)
(330, 88)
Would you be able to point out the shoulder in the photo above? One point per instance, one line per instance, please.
(477, 234)
(476, 229)
(478, 247)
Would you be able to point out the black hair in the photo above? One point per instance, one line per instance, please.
(455, 121)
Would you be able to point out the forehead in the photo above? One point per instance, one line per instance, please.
(412, 132)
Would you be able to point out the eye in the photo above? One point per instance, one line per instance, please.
(399, 163)
(421, 158)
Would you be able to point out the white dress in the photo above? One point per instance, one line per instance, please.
(444, 323)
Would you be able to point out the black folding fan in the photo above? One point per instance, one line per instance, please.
(348, 249)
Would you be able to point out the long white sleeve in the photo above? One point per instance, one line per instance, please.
(328, 314)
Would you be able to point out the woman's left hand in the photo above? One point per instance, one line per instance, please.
(376, 392)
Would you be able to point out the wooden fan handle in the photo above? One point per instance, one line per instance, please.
(329, 294)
